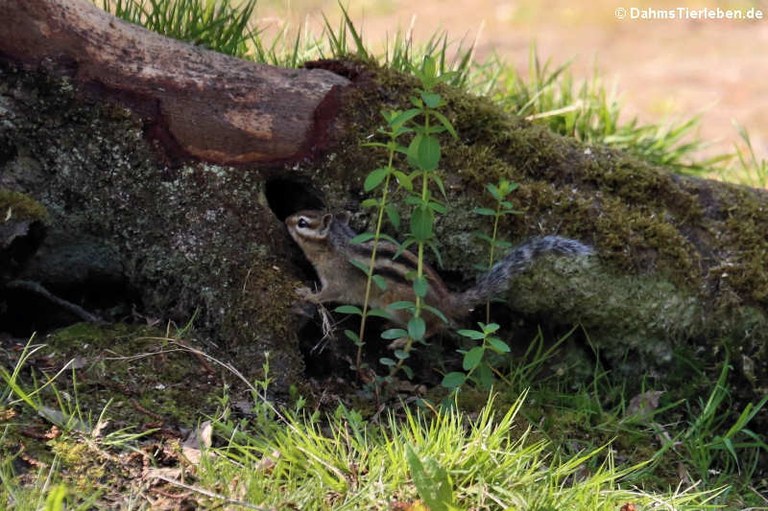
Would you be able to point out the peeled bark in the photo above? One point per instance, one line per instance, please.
(195, 102)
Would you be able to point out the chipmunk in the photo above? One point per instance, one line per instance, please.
(325, 240)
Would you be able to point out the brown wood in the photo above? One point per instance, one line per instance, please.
(196, 102)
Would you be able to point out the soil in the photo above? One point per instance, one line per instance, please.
(662, 69)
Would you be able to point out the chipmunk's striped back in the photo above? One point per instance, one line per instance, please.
(326, 242)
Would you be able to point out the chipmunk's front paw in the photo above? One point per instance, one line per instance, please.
(398, 344)
(306, 294)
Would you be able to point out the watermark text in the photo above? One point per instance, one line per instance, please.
(688, 13)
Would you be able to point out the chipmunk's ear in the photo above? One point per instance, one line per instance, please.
(325, 222)
(344, 217)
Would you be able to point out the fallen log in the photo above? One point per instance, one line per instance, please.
(196, 103)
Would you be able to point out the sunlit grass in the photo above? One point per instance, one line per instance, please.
(443, 458)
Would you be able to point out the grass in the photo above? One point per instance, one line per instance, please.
(224, 26)
(589, 112)
(442, 458)
(434, 456)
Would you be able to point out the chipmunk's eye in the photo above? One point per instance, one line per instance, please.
(302, 223)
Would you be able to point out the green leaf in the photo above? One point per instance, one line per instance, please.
(439, 182)
(55, 498)
(397, 306)
(393, 215)
(352, 336)
(484, 376)
(484, 211)
(446, 124)
(436, 312)
(472, 334)
(494, 191)
(417, 328)
(375, 178)
(482, 236)
(421, 286)
(418, 103)
(404, 180)
(379, 313)
(370, 203)
(453, 380)
(472, 358)
(498, 345)
(434, 129)
(362, 238)
(407, 370)
(422, 221)
(431, 99)
(437, 207)
(394, 333)
(490, 327)
(363, 267)
(438, 257)
(349, 309)
(402, 355)
(376, 144)
(403, 117)
(414, 200)
(424, 152)
(390, 239)
(428, 74)
(431, 480)
(387, 362)
(380, 282)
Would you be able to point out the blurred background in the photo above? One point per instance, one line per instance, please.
(661, 71)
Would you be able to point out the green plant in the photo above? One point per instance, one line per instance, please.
(712, 444)
(378, 178)
(500, 193)
(423, 156)
(423, 122)
(445, 458)
(432, 481)
(475, 363)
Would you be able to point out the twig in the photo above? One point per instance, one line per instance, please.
(75, 309)
(210, 494)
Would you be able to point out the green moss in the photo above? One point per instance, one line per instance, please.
(18, 206)
(85, 466)
(677, 255)
(745, 248)
(145, 375)
(260, 320)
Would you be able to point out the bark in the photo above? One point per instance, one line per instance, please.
(195, 102)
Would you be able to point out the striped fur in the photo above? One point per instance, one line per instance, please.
(325, 240)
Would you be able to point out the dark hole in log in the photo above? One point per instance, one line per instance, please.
(287, 196)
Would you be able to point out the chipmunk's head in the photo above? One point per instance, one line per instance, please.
(309, 226)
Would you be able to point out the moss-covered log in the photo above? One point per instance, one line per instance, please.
(680, 273)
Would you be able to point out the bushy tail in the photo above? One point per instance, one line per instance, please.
(496, 280)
